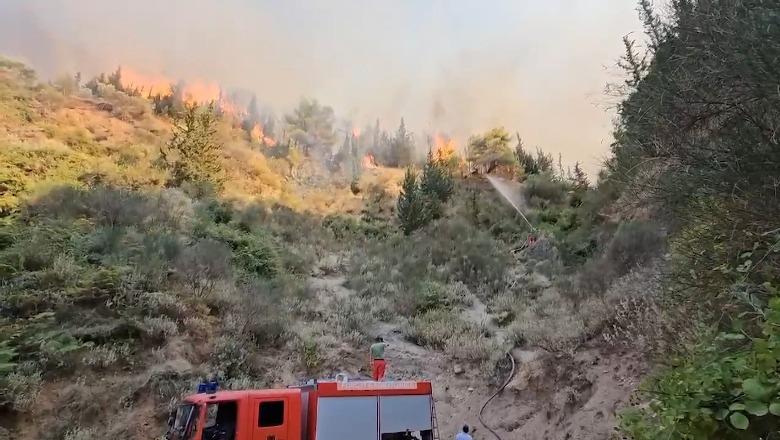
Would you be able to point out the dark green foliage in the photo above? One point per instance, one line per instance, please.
(254, 253)
(192, 154)
(413, 209)
(491, 149)
(698, 134)
(545, 189)
(311, 125)
(436, 180)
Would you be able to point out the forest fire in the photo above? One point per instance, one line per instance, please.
(258, 135)
(443, 147)
(193, 91)
(369, 161)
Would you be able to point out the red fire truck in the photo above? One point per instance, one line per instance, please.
(339, 409)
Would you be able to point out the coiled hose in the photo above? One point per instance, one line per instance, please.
(501, 388)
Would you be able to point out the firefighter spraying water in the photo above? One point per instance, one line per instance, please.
(337, 409)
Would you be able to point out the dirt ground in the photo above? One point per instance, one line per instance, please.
(550, 396)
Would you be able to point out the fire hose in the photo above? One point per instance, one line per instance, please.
(501, 388)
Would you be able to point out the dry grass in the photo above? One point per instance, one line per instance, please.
(445, 330)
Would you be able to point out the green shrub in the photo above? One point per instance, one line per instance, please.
(543, 187)
(716, 391)
(254, 253)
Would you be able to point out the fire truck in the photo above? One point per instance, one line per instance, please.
(340, 409)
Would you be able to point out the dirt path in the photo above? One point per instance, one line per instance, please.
(550, 397)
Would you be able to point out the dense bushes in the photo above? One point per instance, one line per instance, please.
(697, 135)
(420, 202)
(84, 269)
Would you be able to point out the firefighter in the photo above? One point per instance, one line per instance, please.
(377, 357)
(464, 435)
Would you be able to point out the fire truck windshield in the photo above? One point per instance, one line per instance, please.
(180, 426)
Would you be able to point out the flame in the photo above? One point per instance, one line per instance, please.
(443, 147)
(368, 161)
(194, 90)
(258, 135)
(355, 132)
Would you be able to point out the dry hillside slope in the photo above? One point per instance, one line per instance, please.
(121, 290)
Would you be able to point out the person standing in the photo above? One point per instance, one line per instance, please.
(464, 435)
(377, 356)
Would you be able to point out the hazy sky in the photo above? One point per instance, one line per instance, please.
(461, 66)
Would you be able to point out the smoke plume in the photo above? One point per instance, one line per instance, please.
(537, 67)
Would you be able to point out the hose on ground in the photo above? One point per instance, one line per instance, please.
(501, 388)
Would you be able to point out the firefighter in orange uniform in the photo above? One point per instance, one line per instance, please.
(377, 353)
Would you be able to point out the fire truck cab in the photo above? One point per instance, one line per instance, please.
(319, 410)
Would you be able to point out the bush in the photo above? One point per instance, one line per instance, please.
(201, 266)
(254, 253)
(445, 330)
(634, 243)
(543, 187)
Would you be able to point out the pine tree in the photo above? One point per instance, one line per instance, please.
(115, 79)
(401, 147)
(411, 209)
(354, 162)
(525, 159)
(436, 181)
(375, 144)
(192, 154)
(579, 178)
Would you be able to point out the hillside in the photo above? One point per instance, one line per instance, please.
(147, 243)
(122, 292)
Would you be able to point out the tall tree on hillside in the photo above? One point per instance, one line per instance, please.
(375, 147)
(115, 78)
(192, 154)
(411, 209)
(579, 178)
(491, 149)
(544, 161)
(311, 125)
(436, 180)
(524, 159)
(401, 147)
(354, 163)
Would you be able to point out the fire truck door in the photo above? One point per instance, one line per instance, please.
(271, 419)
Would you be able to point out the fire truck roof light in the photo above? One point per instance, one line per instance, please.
(371, 385)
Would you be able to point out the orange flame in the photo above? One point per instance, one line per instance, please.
(194, 90)
(368, 161)
(355, 132)
(443, 147)
(259, 136)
